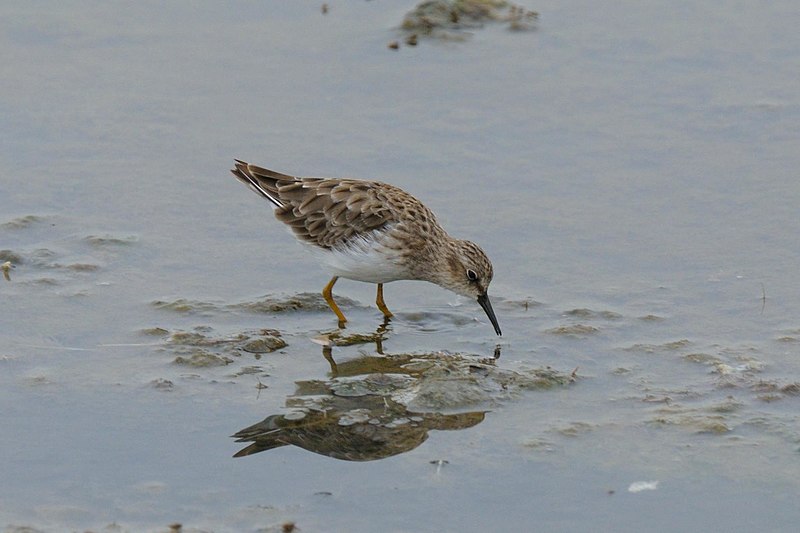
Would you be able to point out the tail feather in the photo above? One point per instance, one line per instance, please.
(261, 180)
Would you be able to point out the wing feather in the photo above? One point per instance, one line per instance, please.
(322, 211)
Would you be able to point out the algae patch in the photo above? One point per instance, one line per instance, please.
(268, 304)
(104, 241)
(21, 222)
(455, 19)
(200, 349)
(448, 18)
(575, 330)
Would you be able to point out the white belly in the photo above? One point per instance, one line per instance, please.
(364, 260)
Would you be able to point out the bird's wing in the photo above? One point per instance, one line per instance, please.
(326, 212)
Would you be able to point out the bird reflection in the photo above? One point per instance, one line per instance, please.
(354, 429)
(377, 406)
(363, 412)
(337, 338)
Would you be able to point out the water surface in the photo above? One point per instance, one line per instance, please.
(629, 168)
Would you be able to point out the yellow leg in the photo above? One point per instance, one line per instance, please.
(326, 293)
(381, 304)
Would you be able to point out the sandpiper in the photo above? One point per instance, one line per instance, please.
(373, 232)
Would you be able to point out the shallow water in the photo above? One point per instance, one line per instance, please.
(630, 169)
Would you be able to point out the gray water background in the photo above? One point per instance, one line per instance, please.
(631, 169)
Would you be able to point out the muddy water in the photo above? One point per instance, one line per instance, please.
(630, 169)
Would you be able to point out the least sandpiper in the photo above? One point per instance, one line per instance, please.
(373, 232)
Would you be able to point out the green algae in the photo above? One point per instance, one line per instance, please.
(451, 19)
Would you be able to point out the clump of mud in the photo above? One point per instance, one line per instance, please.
(200, 349)
(47, 257)
(454, 19)
(268, 304)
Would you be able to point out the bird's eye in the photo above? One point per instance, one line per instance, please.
(471, 275)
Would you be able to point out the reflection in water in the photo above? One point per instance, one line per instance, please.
(378, 406)
(339, 338)
(358, 415)
(354, 429)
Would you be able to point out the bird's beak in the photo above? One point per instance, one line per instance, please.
(483, 299)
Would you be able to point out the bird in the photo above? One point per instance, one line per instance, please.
(372, 232)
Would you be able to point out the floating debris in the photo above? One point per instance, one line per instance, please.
(450, 19)
(202, 358)
(574, 429)
(655, 348)
(21, 222)
(162, 384)
(771, 391)
(439, 464)
(198, 348)
(155, 332)
(183, 305)
(651, 318)
(639, 486)
(11, 257)
(6, 268)
(575, 330)
(195, 338)
(538, 443)
(41, 259)
(247, 370)
(102, 241)
(267, 344)
(82, 267)
(45, 259)
(729, 405)
(304, 301)
(703, 358)
(589, 314)
(525, 303)
(713, 424)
